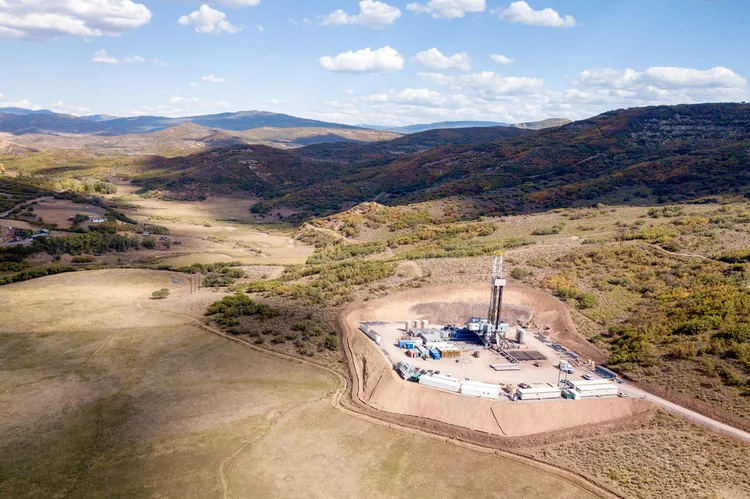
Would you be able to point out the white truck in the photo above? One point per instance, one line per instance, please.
(566, 367)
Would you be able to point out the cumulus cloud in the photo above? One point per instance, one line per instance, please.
(662, 77)
(192, 84)
(372, 14)
(501, 59)
(521, 12)
(384, 60)
(158, 62)
(434, 59)
(212, 79)
(102, 57)
(208, 21)
(50, 19)
(448, 9)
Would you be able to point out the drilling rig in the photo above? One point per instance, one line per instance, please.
(492, 329)
(498, 285)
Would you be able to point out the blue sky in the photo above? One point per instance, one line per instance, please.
(393, 62)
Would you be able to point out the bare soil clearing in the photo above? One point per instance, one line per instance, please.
(380, 387)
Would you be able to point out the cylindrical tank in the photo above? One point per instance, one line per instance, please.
(415, 322)
(425, 323)
(407, 327)
(521, 335)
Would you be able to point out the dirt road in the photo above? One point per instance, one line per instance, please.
(693, 416)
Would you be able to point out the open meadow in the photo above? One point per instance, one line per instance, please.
(107, 393)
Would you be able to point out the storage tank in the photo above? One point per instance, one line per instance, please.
(425, 323)
(521, 335)
(415, 324)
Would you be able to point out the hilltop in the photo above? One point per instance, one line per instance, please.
(639, 155)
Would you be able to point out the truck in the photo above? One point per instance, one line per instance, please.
(566, 367)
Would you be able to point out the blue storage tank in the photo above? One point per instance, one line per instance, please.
(435, 353)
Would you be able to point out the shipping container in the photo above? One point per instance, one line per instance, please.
(435, 353)
(441, 381)
(409, 344)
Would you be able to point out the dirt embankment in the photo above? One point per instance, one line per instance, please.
(376, 386)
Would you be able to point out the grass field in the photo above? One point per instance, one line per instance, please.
(105, 393)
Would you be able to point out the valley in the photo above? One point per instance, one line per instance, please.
(188, 320)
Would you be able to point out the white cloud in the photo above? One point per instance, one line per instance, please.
(180, 100)
(133, 58)
(237, 4)
(22, 103)
(662, 77)
(260, 28)
(487, 83)
(434, 59)
(448, 9)
(192, 84)
(102, 57)
(501, 59)
(158, 62)
(212, 79)
(50, 19)
(208, 21)
(384, 60)
(62, 107)
(372, 14)
(521, 12)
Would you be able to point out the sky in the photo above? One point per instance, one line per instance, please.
(370, 62)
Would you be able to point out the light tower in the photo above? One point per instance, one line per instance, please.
(498, 284)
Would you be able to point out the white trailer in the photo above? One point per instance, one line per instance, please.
(539, 393)
(440, 381)
(505, 367)
(594, 388)
(479, 389)
(371, 334)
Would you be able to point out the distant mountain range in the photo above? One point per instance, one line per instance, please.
(18, 121)
(423, 127)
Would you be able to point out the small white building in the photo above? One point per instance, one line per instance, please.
(98, 220)
(540, 392)
(593, 388)
(440, 381)
(479, 389)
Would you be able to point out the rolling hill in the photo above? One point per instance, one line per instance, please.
(423, 127)
(663, 153)
(20, 121)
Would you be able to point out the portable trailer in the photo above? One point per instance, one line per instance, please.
(440, 381)
(435, 353)
(479, 389)
(539, 393)
(371, 334)
(594, 388)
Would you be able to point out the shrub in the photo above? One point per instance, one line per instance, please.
(331, 342)
(240, 305)
(521, 273)
(83, 259)
(160, 294)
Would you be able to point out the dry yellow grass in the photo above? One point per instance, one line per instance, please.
(105, 393)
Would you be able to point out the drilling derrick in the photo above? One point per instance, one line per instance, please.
(498, 284)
